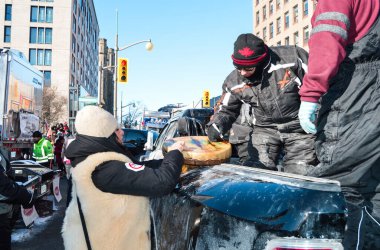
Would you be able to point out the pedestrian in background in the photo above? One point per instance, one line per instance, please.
(42, 150)
(344, 78)
(58, 153)
(267, 79)
(109, 189)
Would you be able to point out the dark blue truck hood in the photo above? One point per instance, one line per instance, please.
(278, 200)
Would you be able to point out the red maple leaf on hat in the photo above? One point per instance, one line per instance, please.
(246, 52)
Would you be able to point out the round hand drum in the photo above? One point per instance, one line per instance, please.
(199, 151)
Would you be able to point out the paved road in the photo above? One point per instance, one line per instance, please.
(46, 235)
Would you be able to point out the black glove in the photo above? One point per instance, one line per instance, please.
(214, 134)
(30, 202)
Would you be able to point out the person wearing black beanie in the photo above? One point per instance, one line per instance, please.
(268, 79)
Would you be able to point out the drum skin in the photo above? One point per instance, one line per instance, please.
(199, 151)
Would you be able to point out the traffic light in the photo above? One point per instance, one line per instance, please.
(122, 70)
(206, 99)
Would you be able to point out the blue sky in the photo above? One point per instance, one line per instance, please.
(193, 42)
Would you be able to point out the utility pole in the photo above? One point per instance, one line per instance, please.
(115, 72)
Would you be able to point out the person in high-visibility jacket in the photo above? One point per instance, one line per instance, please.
(42, 150)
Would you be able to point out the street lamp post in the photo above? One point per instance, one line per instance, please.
(149, 47)
(121, 109)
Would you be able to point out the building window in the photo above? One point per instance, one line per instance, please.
(286, 19)
(271, 30)
(257, 2)
(47, 77)
(295, 38)
(286, 1)
(279, 43)
(7, 34)
(73, 42)
(278, 4)
(278, 24)
(287, 40)
(295, 14)
(265, 34)
(40, 35)
(8, 12)
(74, 28)
(73, 63)
(33, 35)
(306, 34)
(47, 60)
(41, 14)
(75, 6)
(305, 7)
(48, 35)
(49, 14)
(34, 14)
(264, 12)
(271, 7)
(257, 18)
(40, 57)
(33, 56)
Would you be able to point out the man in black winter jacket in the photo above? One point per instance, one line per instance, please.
(10, 193)
(269, 80)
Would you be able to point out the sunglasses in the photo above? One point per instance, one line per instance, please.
(245, 69)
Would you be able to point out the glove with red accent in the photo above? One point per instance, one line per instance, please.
(214, 134)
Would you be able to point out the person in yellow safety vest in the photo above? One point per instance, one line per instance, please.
(42, 150)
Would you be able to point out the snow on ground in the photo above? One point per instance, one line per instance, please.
(22, 234)
(39, 225)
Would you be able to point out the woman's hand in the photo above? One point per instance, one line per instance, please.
(178, 145)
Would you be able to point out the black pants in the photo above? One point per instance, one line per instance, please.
(362, 230)
(5, 232)
(296, 149)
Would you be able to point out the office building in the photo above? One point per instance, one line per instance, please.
(283, 22)
(61, 39)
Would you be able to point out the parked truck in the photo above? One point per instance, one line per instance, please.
(21, 90)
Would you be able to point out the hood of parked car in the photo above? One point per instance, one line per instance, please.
(278, 200)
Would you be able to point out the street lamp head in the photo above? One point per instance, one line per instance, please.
(149, 46)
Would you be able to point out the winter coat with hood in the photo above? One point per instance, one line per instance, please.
(113, 189)
(272, 91)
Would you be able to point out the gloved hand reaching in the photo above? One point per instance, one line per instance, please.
(307, 116)
(214, 134)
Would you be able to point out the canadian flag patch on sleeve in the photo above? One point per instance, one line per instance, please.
(134, 167)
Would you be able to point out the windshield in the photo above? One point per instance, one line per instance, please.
(167, 133)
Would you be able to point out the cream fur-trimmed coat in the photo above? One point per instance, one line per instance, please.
(113, 221)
